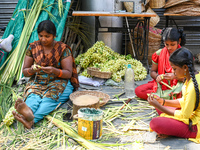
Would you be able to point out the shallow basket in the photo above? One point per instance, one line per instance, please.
(153, 20)
(129, 6)
(96, 73)
(157, 3)
(104, 98)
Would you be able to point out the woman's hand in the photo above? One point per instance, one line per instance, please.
(48, 70)
(35, 68)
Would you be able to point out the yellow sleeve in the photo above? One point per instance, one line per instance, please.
(181, 101)
(187, 103)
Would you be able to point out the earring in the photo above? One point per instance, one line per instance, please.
(185, 73)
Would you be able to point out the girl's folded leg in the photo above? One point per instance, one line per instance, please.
(172, 127)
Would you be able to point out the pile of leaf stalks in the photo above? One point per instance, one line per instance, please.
(49, 134)
(76, 34)
(120, 120)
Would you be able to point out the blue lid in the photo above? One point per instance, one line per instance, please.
(129, 66)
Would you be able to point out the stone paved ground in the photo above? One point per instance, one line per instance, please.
(150, 142)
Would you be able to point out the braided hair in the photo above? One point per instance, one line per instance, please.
(183, 56)
(173, 34)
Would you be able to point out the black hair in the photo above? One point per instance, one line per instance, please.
(48, 26)
(183, 56)
(173, 34)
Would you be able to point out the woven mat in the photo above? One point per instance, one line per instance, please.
(186, 8)
(171, 3)
(153, 20)
(197, 2)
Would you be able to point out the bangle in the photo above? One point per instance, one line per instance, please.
(156, 76)
(30, 73)
(163, 102)
(60, 74)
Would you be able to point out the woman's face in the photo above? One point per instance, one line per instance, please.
(171, 45)
(45, 38)
(179, 72)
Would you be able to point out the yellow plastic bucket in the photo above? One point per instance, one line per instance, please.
(90, 123)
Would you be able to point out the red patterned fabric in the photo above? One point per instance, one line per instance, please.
(144, 89)
(163, 67)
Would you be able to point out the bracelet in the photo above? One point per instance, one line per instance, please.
(30, 73)
(163, 102)
(156, 76)
(60, 74)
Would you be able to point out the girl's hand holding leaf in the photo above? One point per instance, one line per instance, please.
(159, 77)
(169, 76)
(154, 100)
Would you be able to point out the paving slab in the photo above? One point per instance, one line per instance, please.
(149, 139)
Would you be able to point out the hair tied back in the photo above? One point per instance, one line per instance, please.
(180, 31)
(163, 31)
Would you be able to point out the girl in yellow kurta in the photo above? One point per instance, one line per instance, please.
(184, 120)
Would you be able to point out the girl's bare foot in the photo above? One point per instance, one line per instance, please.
(162, 136)
(24, 110)
(20, 118)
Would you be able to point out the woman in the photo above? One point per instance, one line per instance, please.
(183, 120)
(52, 69)
(161, 71)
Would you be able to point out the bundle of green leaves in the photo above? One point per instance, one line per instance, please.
(107, 60)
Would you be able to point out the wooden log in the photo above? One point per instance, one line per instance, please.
(85, 101)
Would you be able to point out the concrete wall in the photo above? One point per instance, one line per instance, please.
(7, 8)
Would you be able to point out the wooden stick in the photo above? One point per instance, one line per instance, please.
(118, 95)
(166, 85)
(57, 106)
(126, 103)
(129, 33)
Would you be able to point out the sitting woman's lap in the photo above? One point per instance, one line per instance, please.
(43, 106)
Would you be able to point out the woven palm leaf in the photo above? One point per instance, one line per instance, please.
(171, 3)
(157, 3)
(153, 20)
(186, 8)
(197, 2)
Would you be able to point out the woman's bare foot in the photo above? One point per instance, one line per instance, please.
(24, 110)
(20, 118)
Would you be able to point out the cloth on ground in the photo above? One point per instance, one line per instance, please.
(111, 82)
(91, 81)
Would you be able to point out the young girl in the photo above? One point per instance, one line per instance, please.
(183, 120)
(161, 71)
(52, 69)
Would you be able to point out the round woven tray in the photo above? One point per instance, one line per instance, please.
(104, 98)
(96, 73)
(153, 20)
(157, 3)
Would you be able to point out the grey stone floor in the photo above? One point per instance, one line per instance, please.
(150, 141)
(170, 143)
